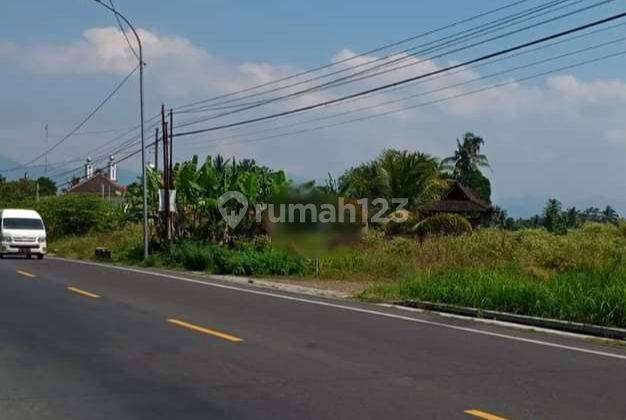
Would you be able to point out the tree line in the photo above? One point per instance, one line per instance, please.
(555, 218)
(26, 189)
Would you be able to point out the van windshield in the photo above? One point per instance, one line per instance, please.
(24, 224)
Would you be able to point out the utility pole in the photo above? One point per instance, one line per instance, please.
(46, 164)
(166, 173)
(156, 149)
(170, 185)
(170, 137)
(144, 182)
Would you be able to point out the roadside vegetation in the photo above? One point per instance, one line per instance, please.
(564, 263)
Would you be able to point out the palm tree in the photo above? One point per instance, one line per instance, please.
(592, 214)
(410, 175)
(467, 156)
(464, 166)
(363, 181)
(610, 215)
(395, 174)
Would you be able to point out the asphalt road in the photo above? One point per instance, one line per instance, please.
(81, 341)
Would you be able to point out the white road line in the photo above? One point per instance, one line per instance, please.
(354, 309)
(522, 327)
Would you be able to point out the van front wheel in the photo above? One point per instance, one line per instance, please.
(40, 257)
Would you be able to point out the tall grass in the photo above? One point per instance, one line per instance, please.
(124, 243)
(596, 296)
(535, 251)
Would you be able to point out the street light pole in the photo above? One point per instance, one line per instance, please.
(143, 142)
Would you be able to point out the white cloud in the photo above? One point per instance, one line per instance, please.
(559, 126)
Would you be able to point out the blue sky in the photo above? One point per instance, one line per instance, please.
(559, 135)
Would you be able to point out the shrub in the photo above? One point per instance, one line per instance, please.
(600, 228)
(372, 238)
(267, 262)
(400, 246)
(75, 214)
(405, 221)
(443, 224)
(246, 260)
(193, 256)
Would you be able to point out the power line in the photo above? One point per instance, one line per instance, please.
(368, 52)
(351, 79)
(444, 71)
(119, 24)
(106, 154)
(130, 142)
(385, 71)
(426, 93)
(79, 126)
(407, 54)
(433, 102)
(407, 80)
(490, 24)
(104, 131)
(429, 103)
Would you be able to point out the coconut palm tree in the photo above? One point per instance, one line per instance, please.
(610, 215)
(467, 156)
(464, 166)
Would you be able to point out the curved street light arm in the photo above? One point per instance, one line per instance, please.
(141, 110)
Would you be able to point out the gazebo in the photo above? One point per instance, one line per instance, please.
(459, 199)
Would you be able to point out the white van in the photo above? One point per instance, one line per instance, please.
(22, 232)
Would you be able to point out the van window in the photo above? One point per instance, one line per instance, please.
(25, 224)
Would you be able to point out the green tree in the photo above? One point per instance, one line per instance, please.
(363, 181)
(554, 218)
(395, 174)
(610, 215)
(572, 218)
(78, 214)
(465, 164)
(47, 186)
(592, 214)
(16, 191)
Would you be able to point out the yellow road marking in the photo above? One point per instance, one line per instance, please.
(27, 274)
(83, 292)
(483, 415)
(219, 334)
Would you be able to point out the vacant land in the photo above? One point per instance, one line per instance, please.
(579, 276)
